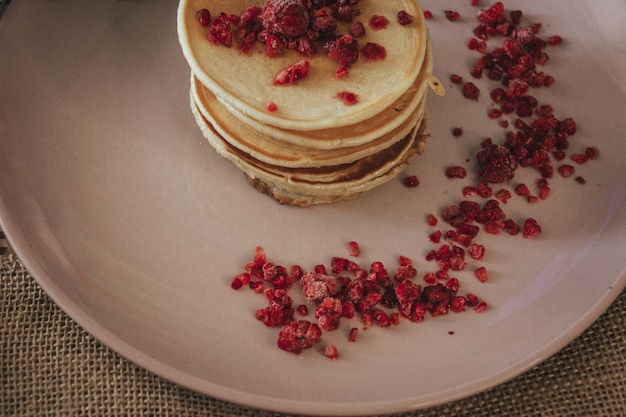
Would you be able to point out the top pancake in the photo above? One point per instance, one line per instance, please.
(245, 81)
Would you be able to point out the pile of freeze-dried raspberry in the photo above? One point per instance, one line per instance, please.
(305, 26)
(347, 292)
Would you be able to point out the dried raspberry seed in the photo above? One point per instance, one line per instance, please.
(404, 18)
(470, 91)
(580, 180)
(377, 22)
(457, 131)
(411, 181)
(348, 98)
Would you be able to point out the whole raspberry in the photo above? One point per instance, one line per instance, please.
(285, 17)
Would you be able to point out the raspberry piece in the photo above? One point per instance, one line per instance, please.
(317, 286)
(328, 313)
(496, 164)
(344, 50)
(299, 335)
(280, 310)
(293, 73)
(286, 17)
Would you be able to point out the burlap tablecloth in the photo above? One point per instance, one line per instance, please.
(49, 366)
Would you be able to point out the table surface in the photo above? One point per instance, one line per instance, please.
(51, 366)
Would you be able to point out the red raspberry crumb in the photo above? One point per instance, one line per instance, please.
(456, 79)
(354, 249)
(317, 286)
(204, 17)
(293, 73)
(404, 18)
(452, 15)
(331, 352)
(377, 22)
(481, 307)
(374, 52)
(481, 274)
(271, 107)
(299, 335)
(286, 17)
(428, 14)
(411, 181)
(348, 98)
(470, 91)
(328, 313)
(531, 228)
(456, 172)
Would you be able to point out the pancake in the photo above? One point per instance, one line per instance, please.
(306, 187)
(268, 149)
(312, 148)
(245, 81)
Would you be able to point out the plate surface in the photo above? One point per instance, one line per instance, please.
(134, 226)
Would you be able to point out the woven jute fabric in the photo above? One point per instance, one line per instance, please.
(50, 366)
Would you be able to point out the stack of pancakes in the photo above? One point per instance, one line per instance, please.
(313, 148)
